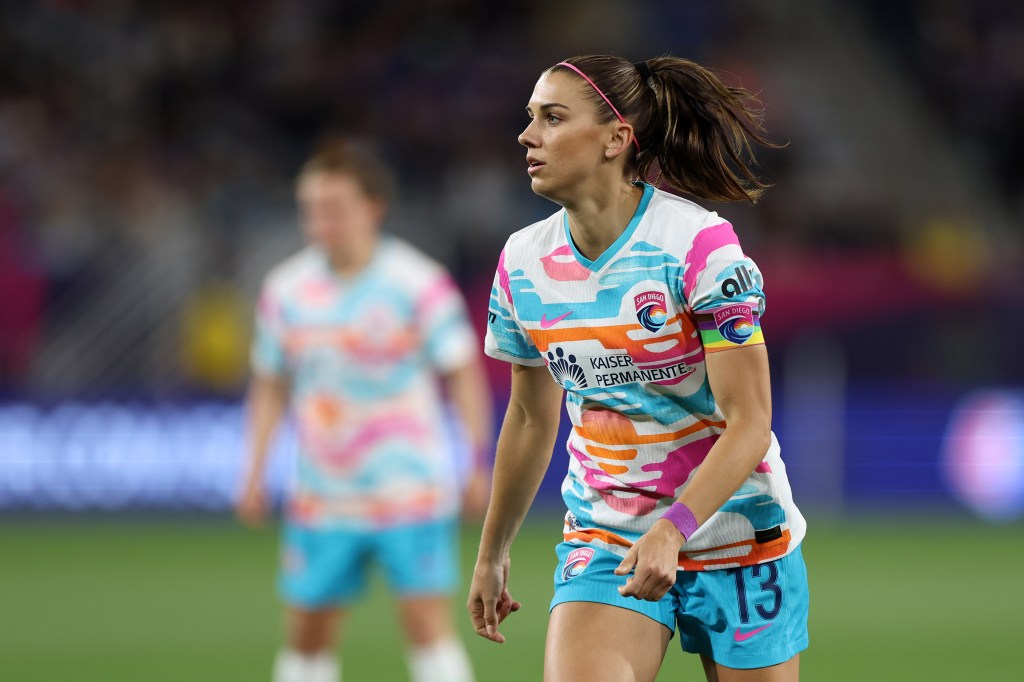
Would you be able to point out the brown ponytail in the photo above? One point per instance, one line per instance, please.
(694, 132)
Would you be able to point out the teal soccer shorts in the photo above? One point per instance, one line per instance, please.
(750, 617)
(327, 567)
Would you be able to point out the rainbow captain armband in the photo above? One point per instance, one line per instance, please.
(731, 326)
(682, 518)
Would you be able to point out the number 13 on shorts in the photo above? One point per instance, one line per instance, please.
(749, 617)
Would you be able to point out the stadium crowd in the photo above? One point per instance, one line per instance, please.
(148, 152)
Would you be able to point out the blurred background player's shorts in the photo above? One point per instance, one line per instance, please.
(322, 567)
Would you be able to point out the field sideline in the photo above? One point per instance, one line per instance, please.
(183, 600)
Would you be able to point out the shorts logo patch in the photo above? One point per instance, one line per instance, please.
(650, 310)
(735, 323)
(741, 636)
(576, 562)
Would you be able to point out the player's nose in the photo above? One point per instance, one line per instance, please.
(527, 138)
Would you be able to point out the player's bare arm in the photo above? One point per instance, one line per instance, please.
(740, 382)
(524, 451)
(468, 391)
(266, 403)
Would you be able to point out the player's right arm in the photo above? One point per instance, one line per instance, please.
(266, 402)
(524, 451)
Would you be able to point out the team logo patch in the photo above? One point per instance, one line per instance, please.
(576, 562)
(650, 310)
(735, 323)
(564, 369)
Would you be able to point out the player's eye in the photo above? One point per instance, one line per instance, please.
(551, 118)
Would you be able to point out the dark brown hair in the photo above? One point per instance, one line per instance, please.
(340, 156)
(694, 131)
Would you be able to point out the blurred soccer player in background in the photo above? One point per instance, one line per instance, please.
(646, 313)
(353, 334)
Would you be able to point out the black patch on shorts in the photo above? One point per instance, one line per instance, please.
(767, 535)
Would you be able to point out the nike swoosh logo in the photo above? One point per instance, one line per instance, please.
(744, 636)
(545, 323)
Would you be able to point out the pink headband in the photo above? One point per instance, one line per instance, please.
(603, 96)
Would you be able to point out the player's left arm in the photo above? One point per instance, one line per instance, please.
(740, 382)
(741, 385)
(470, 395)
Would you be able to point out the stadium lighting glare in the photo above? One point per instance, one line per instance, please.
(983, 454)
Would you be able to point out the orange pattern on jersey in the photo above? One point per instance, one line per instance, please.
(616, 337)
(323, 411)
(395, 344)
(597, 451)
(758, 554)
(307, 508)
(605, 536)
(611, 428)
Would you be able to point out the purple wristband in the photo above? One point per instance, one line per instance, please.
(682, 518)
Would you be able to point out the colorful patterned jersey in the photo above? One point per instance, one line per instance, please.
(363, 356)
(626, 337)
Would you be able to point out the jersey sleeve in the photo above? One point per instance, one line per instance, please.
(506, 340)
(724, 288)
(268, 350)
(449, 339)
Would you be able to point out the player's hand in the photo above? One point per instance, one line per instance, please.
(476, 494)
(653, 560)
(251, 507)
(489, 600)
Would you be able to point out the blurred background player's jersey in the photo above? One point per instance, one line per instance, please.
(362, 356)
(626, 337)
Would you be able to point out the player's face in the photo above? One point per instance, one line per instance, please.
(335, 211)
(564, 143)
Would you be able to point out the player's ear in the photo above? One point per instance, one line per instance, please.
(619, 141)
(380, 209)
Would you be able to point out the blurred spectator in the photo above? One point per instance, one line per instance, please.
(22, 296)
(148, 148)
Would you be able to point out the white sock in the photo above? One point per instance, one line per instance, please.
(294, 666)
(442, 661)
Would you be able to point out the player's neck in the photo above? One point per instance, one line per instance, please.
(355, 258)
(596, 221)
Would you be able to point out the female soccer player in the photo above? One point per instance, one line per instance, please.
(353, 334)
(644, 310)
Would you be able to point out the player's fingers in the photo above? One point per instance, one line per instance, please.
(655, 584)
(475, 611)
(251, 509)
(477, 615)
(513, 604)
(256, 516)
(628, 589)
(656, 594)
(246, 514)
(491, 621)
(504, 609)
(628, 563)
(635, 584)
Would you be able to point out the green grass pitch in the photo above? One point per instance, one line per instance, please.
(182, 600)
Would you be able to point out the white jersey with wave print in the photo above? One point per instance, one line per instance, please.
(626, 337)
(362, 357)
